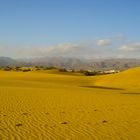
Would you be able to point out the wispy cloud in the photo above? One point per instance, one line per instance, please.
(104, 42)
(102, 48)
(64, 49)
(135, 46)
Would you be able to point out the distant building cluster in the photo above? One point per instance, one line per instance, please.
(110, 71)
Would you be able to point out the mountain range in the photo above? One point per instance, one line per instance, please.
(73, 63)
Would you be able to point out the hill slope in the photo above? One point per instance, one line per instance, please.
(6, 61)
(129, 79)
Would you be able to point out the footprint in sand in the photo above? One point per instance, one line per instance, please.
(24, 113)
(89, 123)
(47, 113)
(62, 112)
(63, 122)
(104, 121)
(19, 124)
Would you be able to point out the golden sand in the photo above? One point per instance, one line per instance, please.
(54, 106)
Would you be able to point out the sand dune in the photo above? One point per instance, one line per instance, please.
(128, 80)
(45, 106)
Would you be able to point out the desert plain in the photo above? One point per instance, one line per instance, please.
(50, 105)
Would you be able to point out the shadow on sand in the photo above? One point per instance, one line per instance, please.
(132, 93)
(102, 87)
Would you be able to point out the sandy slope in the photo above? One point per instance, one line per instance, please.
(128, 80)
(42, 106)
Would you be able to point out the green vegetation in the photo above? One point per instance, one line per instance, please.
(57, 69)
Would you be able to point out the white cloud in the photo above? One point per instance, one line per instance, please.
(104, 42)
(65, 49)
(131, 47)
(88, 49)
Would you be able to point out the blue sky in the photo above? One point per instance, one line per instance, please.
(51, 23)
